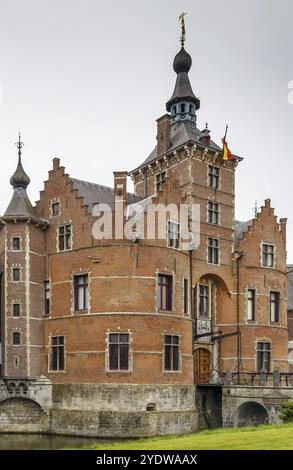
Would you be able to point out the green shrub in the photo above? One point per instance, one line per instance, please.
(286, 413)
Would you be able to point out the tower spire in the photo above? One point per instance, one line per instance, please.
(19, 144)
(183, 104)
(183, 30)
(19, 179)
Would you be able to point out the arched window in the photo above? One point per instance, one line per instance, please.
(191, 109)
(182, 108)
(174, 110)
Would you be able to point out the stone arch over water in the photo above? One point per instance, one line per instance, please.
(251, 413)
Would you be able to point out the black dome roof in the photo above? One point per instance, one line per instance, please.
(182, 61)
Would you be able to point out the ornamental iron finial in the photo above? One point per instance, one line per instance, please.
(183, 30)
(19, 144)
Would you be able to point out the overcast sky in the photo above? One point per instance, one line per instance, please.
(85, 80)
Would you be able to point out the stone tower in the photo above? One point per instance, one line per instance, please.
(22, 286)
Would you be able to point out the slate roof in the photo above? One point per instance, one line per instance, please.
(93, 193)
(20, 205)
(240, 228)
(290, 286)
(182, 133)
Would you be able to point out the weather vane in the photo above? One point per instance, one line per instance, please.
(183, 30)
(19, 144)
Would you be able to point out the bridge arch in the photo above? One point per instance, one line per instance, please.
(251, 413)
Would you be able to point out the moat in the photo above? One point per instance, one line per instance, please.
(43, 442)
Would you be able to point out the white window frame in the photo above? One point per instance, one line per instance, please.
(169, 239)
(261, 255)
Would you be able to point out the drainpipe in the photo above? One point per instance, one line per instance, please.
(191, 313)
(238, 256)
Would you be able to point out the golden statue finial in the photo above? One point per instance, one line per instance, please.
(183, 31)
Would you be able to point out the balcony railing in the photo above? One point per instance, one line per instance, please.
(252, 379)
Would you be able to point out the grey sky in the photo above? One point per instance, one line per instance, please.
(85, 80)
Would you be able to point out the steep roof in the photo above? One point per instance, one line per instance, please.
(93, 193)
(290, 286)
(181, 134)
(20, 205)
(240, 228)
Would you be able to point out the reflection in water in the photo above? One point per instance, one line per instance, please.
(43, 442)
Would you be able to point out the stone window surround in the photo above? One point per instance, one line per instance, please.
(16, 235)
(208, 283)
(251, 287)
(219, 178)
(107, 352)
(276, 291)
(219, 250)
(57, 237)
(82, 272)
(167, 273)
(16, 330)
(214, 201)
(186, 314)
(16, 302)
(275, 254)
(264, 340)
(16, 266)
(50, 354)
(172, 333)
(52, 202)
(172, 221)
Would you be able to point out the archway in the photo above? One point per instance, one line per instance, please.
(203, 365)
(20, 411)
(252, 414)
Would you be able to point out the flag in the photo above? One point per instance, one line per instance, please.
(227, 155)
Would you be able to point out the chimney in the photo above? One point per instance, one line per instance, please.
(120, 182)
(56, 163)
(120, 185)
(163, 134)
(283, 225)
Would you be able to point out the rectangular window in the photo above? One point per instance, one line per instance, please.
(57, 353)
(268, 255)
(16, 310)
(165, 292)
(213, 251)
(119, 351)
(64, 237)
(185, 296)
(172, 362)
(213, 212)
(16, 338)
(16, 243)
(16, 274)
(204, 301)
(160, 180)
(173, 235)
(55, 209)
(47, 298)
(213, 176)
(81, 292)
(251, 304)
(263, 357)
(275, 307)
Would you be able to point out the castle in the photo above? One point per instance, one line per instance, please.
(120, 336)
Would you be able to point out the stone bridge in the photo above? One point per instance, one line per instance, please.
(25, 404)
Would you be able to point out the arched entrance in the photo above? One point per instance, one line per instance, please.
(252, 414)
(203, 365)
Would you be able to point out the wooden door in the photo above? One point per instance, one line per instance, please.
(202, 365)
